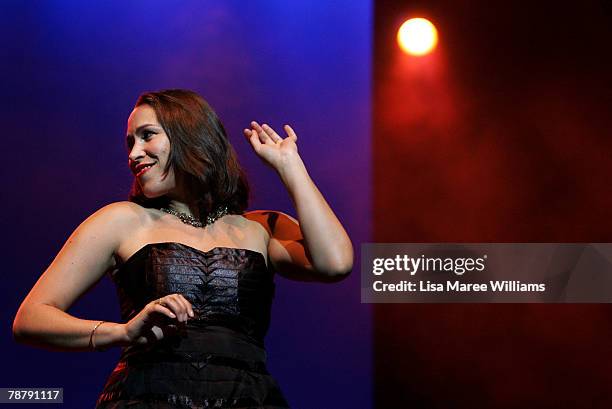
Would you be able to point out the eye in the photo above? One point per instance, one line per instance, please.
(147, 134)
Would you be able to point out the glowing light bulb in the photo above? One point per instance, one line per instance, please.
(417, 36)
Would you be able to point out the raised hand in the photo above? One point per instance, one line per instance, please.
(158, 319)
(275, 151)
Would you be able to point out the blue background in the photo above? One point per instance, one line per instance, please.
(71, 72)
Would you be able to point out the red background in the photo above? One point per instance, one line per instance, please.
(501, 135)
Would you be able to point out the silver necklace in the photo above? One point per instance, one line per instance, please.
(188, 219)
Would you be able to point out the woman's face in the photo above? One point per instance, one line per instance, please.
(149, 145)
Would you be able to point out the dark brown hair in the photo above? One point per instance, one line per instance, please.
(200, 153)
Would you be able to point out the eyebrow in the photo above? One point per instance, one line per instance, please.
(140, 128)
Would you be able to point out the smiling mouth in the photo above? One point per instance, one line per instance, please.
(144, 170)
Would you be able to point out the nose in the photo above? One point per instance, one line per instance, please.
(136, 153)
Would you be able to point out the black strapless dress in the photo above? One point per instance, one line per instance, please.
(216, 360)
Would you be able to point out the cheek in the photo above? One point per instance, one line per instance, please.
(163, 153)
(163, 144)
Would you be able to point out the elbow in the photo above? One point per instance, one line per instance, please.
(22, 331)
(342, 265)
(19, 332)
(342, 270)
(337, 270)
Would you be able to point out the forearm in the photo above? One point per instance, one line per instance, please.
(327, 242)
(49, 327)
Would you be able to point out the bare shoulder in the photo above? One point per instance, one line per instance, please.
(122, 211)
(124, 216)
(273, 221)
(118, 221)
(286, 250)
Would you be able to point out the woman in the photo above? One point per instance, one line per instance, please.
(192, 270)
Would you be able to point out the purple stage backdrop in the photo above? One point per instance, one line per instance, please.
(71, 72)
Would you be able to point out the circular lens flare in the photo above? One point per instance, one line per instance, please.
(417, 36)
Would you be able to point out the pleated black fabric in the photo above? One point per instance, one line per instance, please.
(216, 360)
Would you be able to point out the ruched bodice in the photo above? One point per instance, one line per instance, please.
(226, 286)
(215, 360)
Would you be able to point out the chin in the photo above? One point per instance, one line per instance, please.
(156, 190)
(153, 194)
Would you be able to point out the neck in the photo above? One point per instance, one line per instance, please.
(182, 202)
(184, 207)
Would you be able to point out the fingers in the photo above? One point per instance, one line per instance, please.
(290, 132)
(271, 133)
(184, 305)
(175, 306)
(263, 136)
(187, 306)
(266, 134)
(253, 138)
(163, 310)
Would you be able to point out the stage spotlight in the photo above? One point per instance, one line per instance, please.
(417, 36)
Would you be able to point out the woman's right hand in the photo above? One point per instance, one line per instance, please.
(158, 319)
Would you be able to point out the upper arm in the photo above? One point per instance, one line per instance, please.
(286, 249)
(85, 257)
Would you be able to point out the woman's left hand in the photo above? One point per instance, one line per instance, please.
(275, 151)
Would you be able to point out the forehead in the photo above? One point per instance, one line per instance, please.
(142, 114)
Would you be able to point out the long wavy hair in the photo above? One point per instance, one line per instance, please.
(200, 153)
